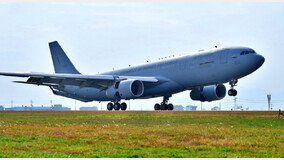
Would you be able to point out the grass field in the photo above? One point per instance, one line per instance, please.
(141, 134)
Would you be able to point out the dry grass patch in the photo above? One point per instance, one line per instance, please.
(140, 134)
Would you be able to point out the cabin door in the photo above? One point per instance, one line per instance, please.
(224, 56)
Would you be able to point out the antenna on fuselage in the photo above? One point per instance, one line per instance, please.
(215, 46)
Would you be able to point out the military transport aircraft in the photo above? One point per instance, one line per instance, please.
(203, 72)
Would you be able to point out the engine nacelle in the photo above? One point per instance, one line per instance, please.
(208, 93)
(127, 89)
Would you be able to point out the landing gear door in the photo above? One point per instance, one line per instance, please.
(224, 56)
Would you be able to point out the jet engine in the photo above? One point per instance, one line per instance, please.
(208, 93)
(126, 89)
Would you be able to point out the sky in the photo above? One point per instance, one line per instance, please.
(100, 36)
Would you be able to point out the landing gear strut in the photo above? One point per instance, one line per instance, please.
(232, 91)
(164, 105)
(116, 106)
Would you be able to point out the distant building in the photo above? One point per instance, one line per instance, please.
(178, 108)
(190, 108)
(1, 108)
(94, 108)
(56, 107)
(16, 108)
(59, 107)
(216, 108)
(240, 108)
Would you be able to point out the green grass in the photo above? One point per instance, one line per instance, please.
(141, 134)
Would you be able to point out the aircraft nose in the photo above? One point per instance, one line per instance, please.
(259, 60)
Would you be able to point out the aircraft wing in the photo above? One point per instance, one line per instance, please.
(97, 81)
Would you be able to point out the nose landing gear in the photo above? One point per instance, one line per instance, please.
(232, 91)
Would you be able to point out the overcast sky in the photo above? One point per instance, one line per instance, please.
(100, 36)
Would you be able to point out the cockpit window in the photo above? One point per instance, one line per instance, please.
(247, 52)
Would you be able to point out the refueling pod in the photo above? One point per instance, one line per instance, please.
(208, 93)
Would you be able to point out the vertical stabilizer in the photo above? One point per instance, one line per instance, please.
(61, 62)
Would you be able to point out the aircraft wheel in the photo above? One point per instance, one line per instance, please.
(157, 107)
(109, 106)
(123, 106)
(116, 106)
(164, 106)
(170, 107)
(235, 92)
(232, 92)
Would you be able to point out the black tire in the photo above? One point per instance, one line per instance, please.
(164, 107)
(235, 92)
(123, 106)
(116, 106)
(230, 92)
(170, 107)
(109, 106)
(157, 107)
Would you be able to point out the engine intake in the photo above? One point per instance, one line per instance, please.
(126, 89)
(208, 93)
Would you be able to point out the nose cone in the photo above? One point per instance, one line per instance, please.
(251, 63)
(256, 62)
(259, 60)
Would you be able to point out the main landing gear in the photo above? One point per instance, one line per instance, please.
(232, 91)
(164, 105)
(116, 106)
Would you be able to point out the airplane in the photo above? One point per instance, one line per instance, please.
(204, 73)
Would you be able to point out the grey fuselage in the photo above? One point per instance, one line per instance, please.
(177, 74)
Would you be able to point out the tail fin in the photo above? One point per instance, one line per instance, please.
(61, 62)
